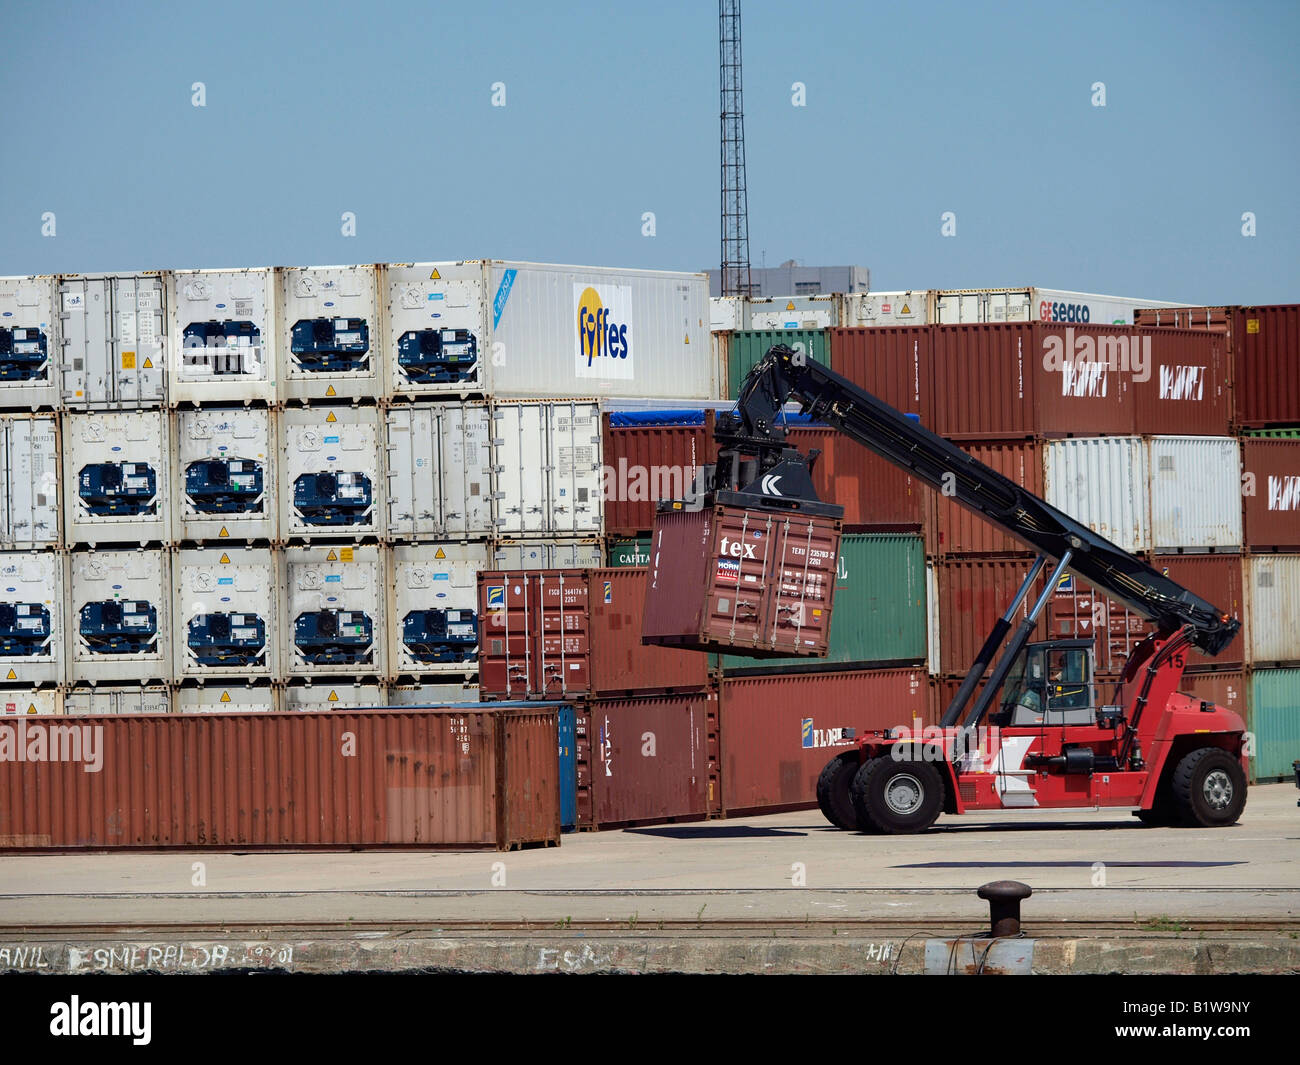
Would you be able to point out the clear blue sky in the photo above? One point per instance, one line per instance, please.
(384, 109)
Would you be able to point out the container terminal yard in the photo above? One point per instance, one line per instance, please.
(477, 614)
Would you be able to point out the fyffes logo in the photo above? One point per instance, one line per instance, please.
(603, 330)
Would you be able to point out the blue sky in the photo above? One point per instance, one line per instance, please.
(384, 109)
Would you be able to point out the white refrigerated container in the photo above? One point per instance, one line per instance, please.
(116, 477)
(227, 613)
(222, 336)
(330, 333)
(226, 474)
(333, 615)
(33, 642)
(439, 462)
(119, 617)
(332, 472)
(113, 346)
(433, 609)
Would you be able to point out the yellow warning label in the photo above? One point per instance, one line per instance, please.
(688, 338)
(440, 553)
(790, 306)
(330, 391)
(332, 556)
(334, 696)
(435, 276)
(225, 559)
(148, 363)
(31, 708)
(345, 554)
(12, 675)
(128, 360)
(223, 532)
(225, 697)
(906, 309)
(330, 417)
(1252, 325)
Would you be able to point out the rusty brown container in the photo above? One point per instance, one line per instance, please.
(874, 493)
(620, 663)
(648, 760)
(778, 732)
(961, 532)
(973, 593)
(1084, 376)
(647, 462)
(1272, 506)
(1220, 580)
(1076, 611)
(1222, 687)
(753, 581)
(984, 378)
(894, 363)
(1266, 365)
(534, 634)
(1185, 385)
(410, 778)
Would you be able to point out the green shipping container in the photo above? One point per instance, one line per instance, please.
(1274, 719)
(745, 348)
(879, 609)
(628, 552)
(1273, 434)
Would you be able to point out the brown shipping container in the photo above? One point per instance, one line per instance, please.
(894, 363)
(534, 634)
(778, 732)
(1225, 688)
(415, 778)
(1084, 380)
(1266, 365)
(648, 759)
(984, 380)
(620, 662)
(959, 531)
(873, 492)
(1220, 580)
(1076, 611)
(570, 633)
(646, 463)
(1187, 388)
(973, 594)
(753, 581)
(1272, 513)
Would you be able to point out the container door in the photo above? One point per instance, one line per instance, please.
(86, 314)
(575, 489)
(138, 335)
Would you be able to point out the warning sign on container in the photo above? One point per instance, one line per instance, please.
(728, 571)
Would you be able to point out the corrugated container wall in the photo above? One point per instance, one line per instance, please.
(619, 553)
(960, 531)
(589, 331)
(779, 732)
(1275, 721)
(439, 471)
(132, 699)
(330, 333)
(885, 308)
(746, 349)
(546, 554)
(318, 698)
(1101, 482)
(227, 613)
(1227, 689)
(114, 340)
(430, 778)
(30, 337)
(1266, 356)
(1220, 581)
(216, 699)
(226, 474)
(647, 759)
(895, 364)
(1182, 383)
(120, 605)
(116, 473)
(334, 617)
(645, 462)
(880, 605)
(1273, 605)
(1271, 493)
(984, 381)
(222, 336)
(30, 474)
(33, 637)
(872, 491)
(973, 594)
(331, 472)
(434, 608)
(1195, 493)
(1077, 611)
(547, 457)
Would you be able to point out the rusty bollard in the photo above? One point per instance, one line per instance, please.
(1004, 905)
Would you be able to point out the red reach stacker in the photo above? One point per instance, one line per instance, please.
(1033, 734)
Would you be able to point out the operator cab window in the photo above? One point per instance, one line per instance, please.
(1049, 686)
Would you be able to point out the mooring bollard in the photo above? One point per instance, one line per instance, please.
(1004, 905)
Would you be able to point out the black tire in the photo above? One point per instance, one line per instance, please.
(897, 797)
(833, 795)
(1209, 788)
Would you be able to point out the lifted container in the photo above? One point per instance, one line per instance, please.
(749, 580)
